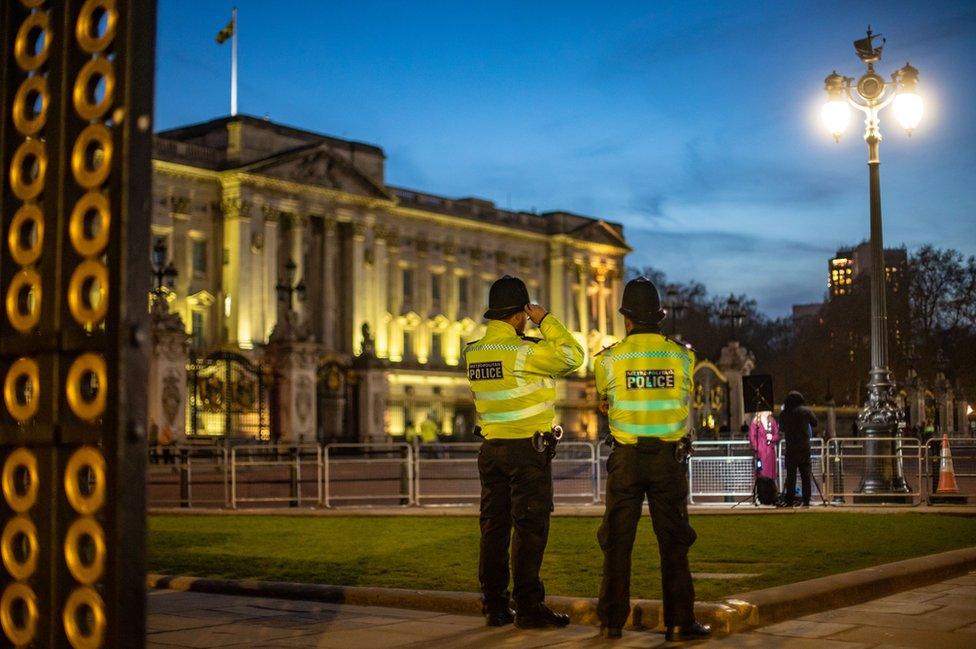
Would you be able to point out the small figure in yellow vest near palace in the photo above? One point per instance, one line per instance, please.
(644, 383)
(514, 392)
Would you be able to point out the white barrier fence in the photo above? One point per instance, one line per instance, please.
(399, 474)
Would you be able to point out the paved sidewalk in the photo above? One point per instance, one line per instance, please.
(942, 615)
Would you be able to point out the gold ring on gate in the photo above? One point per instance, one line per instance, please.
(79, 287)
(23, 187)
(96, 68)
(16, 527)
(86, 574)
(26, 278)
(25, 255)
(89, 246)
(87, 363)
(85, 504)
(92, 177)
(23, 105)
(84, 596)
(23, 634)
(25, 59)
(21, 369)
(21, 458)
(86, 28)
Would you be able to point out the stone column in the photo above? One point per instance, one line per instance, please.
(616, 293)
(329, 279)
(601, 304)
(735, 362)
(380, 283)
(236, 273)
(557, 283)
(167, 376)
(294, 362)
(359, 286)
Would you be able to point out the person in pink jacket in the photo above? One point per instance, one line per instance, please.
(763, 436)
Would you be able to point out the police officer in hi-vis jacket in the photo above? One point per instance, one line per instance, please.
(512, 378)
(644, 383)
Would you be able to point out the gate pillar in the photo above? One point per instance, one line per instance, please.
(374, 389)
(294, 364)
(167, 376)
(735, 362)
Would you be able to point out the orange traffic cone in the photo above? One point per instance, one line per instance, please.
(947, 475)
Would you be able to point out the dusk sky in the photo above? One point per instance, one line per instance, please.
(696, 125)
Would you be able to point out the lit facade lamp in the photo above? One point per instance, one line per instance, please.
(288, 290)
(871, 93)
(164, 277)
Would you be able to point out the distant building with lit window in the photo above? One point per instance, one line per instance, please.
(849, 264)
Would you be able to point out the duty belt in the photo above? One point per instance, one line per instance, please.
(681, 448)
(546, 441)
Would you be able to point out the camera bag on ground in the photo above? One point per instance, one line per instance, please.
(766, 490)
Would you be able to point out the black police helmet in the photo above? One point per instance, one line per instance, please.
(641, 302)
(506, 297)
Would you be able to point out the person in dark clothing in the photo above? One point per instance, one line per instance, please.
(796, 424)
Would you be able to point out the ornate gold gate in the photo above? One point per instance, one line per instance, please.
(75, 139)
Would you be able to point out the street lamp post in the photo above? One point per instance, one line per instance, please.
(733, 314)
(675, 307)
(878, 418)
(164, 277)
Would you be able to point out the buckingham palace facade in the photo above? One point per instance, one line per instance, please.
(240, 203)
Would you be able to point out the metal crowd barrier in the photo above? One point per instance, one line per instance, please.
(447, 473)
(189, 476)
(276, 474)
(846, 468)
(376, 474)
(720, 471)
(818, 467)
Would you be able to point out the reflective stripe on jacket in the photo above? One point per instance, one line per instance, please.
(647, 380)
(512, 377)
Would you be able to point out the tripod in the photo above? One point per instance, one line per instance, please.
(753, 496)
(814, 482)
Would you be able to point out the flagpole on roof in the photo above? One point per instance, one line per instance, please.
(233, 63)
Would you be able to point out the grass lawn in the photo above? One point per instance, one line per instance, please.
(442, 553)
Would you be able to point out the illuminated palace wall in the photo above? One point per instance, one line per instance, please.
(235, 198)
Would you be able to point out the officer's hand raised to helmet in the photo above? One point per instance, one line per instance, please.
(535, 312)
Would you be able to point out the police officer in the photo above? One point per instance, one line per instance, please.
(514, 392)
(644, 383)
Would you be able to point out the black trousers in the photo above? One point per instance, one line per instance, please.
(646, 469)
(801, 462)
(516, 491)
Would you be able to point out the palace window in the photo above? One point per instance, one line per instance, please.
(436, 344)
(407, 281)
(199, 257)
(409, 356)
(462, 288)
(197, 326)
(435, 288)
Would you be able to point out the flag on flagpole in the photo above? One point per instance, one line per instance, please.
(226, 32)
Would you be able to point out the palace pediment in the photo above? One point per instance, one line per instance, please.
(600, 232)
(319, 166)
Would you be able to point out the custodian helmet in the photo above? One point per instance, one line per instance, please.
(506, 297)
(641, 302)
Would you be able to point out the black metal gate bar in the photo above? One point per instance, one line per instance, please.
(75, 137)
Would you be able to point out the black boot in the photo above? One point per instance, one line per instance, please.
(540, 617)
(693, 631)
(611, 632)
(500, 617)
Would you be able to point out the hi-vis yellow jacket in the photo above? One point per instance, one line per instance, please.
(512, 377)
(647, 380)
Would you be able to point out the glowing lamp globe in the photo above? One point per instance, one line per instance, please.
(836, 116)
(908, 110)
